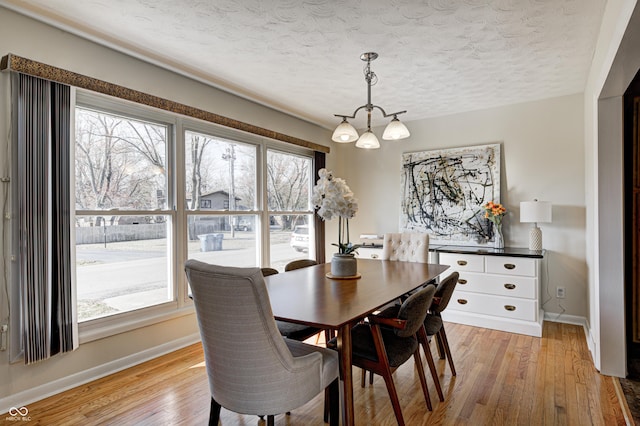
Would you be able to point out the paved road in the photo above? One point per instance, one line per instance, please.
(118, 273)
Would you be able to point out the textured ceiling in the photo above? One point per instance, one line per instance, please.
(437, 57)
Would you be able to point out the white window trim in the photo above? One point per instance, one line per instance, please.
(110, 325)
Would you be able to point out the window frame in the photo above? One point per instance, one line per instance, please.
(177, 211)
(108, 325)
(309, 212)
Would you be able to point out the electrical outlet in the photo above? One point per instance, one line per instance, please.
(560, 292)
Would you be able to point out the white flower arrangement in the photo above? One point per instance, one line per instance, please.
(332, 197)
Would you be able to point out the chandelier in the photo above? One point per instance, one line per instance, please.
(346, 133)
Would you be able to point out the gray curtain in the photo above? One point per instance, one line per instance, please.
(319, 163)
(43, 215)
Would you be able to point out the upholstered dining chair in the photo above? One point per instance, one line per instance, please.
(289, 329)
(300, 263)
(252, 369)
(406, 246)
(433, 324)
(382, 344)
(268, 271)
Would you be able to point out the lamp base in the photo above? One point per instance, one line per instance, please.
(535, 239)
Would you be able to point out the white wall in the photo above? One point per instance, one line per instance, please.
(20, 384)
(542, 157)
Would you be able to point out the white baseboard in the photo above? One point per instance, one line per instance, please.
(576, 320)
(531, 328)
(23, 399)
(567, 319)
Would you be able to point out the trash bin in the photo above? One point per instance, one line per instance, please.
(217, 241)
(211, 242)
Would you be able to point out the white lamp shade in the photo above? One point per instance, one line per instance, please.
(368, 141)
(345, 133)
(395, 130)
(535, 211)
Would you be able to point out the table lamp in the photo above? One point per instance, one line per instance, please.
(534, 212)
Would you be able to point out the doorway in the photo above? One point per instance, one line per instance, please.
(631, 101)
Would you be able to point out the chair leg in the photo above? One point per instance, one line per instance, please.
(422, 337)
(423, 379)
(393, 395)
(440, 346)
(445, 343)
(270, 420)
(334, 403)
(325, 408)
(214, 413)
(363, 378)
(328, 334)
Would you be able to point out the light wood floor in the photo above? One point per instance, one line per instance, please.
(503, 379)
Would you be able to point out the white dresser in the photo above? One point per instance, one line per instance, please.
(374, 251)
(497, 289)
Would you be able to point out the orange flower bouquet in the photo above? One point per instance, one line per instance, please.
(495, 212)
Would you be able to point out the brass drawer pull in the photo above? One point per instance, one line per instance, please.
(462, 281)
(462, 262)
(510, 307)
(509, 286)
(462, 301)
(510, 266)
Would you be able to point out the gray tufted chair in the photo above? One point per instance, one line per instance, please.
(406, 246)
(252, 369)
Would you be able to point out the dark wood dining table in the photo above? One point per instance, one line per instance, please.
(307, 296)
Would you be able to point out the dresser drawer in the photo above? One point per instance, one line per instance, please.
(497, 306)
(369, 253)
(500, 285)
(511, 265)
(462, 262)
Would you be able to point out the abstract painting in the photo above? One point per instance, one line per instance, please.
(444, 191)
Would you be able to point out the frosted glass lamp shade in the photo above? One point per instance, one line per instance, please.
(395, 130)
(368, 141)
(535, 211)
(345, 133)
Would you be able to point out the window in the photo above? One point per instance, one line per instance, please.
(289, 205)
(154, 188)
(222, 172)
(122, 220)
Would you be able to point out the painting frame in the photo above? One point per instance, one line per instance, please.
(444, 191)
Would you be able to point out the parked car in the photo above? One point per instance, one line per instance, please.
(243, 225)
(300, 238)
